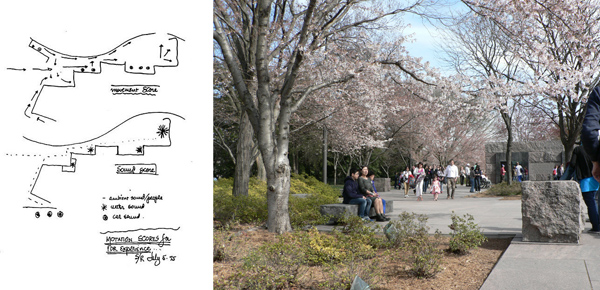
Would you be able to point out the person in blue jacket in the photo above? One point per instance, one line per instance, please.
(589, 133)
(580, 167)
(352, 196)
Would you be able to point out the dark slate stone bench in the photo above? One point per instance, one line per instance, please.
(338, 210)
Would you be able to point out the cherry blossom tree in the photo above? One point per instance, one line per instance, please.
(558, 41)
(265, 45)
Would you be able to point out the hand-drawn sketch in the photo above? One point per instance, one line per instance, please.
(142, 131)
(101, 147)
(141, 54)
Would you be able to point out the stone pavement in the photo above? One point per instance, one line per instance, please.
(523, 265)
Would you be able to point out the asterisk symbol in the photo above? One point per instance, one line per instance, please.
(162, 131)
(104, 206)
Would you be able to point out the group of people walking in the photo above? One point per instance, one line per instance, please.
(422, 176)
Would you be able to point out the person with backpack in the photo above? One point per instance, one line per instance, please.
(405, 179)
(580, 168)
(519, 171)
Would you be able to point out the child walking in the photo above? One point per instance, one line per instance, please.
(435, 188)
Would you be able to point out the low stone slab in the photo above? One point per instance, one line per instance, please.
(551, 211)
(338, 210)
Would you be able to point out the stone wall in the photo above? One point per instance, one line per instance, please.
(539, 158)
(382, 184)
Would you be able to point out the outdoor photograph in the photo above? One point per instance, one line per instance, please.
(406, 144)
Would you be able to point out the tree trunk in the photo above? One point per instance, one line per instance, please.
(508, 124)
(243, 157)
(260, 165)
(278, 189)
(324, 155)
(335, 173)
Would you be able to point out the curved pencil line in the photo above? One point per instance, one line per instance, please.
(85, 56)
(148, 229)
(77, 143)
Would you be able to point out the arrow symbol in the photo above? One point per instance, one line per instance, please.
(55, 61)
(126, 44)
(42, 69)
(167, 60)
(166, 52)
(28, 106)
(45, 78)
(38, 119)
(34, 95)
(66, 81)
(92, 63)
(12, 68)
(160, 54)
(114, 59)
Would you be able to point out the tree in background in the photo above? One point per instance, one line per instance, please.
(558, 41)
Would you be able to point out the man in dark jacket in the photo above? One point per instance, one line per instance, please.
(589, 133)
(352, 196)
(580, 168)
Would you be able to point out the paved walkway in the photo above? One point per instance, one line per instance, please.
(523, 265)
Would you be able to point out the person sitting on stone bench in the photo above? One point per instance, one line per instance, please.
(371, 176)
(352, 196)
(366, 189)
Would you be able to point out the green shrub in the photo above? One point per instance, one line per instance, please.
(276, 265)
(220, 250)
(425, 256)
(409, 227)
(341, 276)
(321, 249)
(411, 234)
(355, 230)
(465, 234)
(252, 208)
(230, 209)
(503, 189)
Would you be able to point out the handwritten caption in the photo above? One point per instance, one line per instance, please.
(144, 247)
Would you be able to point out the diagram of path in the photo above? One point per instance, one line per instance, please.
(100, 148)
(141, 54)
(105, 107)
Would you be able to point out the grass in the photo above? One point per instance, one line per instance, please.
(503, 189)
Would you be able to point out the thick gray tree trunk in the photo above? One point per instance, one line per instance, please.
(243, 157)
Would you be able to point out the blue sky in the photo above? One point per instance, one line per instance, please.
(425, 35)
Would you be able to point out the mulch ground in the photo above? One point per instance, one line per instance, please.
(459, 271)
